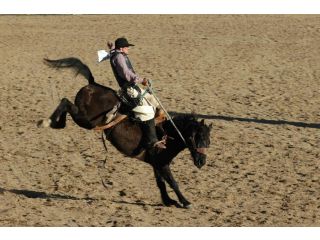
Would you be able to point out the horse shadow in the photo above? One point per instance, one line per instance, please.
(138, 203)
(252, 120)
(43, 195)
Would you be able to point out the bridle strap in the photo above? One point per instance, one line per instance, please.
(200, 150)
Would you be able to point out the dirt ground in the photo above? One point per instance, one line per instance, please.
(255, 77)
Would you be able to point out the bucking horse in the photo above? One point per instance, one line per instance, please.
(94, 102)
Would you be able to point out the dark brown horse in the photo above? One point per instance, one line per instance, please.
(94, 101)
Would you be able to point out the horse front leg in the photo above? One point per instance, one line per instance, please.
(167, 175)
(167, 201)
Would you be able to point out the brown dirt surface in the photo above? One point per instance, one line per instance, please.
(255, 77)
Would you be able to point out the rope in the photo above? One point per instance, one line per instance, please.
(104, 141)
(102, 164)
(165, 111)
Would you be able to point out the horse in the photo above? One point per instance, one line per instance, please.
(89, 110)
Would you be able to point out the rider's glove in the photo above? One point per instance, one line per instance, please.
(145, 82)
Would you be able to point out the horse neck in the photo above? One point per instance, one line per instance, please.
(176, 141)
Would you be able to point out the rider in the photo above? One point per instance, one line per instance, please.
(128, 80)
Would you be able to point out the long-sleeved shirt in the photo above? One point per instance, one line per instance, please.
(123, 69)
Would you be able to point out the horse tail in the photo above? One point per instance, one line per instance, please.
(73, 63)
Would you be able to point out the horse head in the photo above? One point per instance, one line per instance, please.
(197, 138)
(198, 142)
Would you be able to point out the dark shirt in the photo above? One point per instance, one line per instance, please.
(122, 68)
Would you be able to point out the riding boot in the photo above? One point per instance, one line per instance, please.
(150, 138)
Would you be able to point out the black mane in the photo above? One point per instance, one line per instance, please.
(186, 123)
(184, 120)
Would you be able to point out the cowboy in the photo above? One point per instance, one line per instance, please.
(144, 104)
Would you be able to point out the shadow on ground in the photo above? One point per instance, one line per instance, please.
(43, 195)
(253, 120)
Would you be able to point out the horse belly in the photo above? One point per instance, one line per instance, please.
(126, 137)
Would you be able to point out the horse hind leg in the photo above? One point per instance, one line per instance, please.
(58, 118)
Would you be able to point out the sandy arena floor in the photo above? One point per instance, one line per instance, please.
(256, 78)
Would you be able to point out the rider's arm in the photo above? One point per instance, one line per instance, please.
(124, 71)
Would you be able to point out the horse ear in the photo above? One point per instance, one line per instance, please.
(202, 122)
(193, 115)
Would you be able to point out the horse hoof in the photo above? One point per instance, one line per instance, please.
(171, 203)
(44, 123)
(188, 206)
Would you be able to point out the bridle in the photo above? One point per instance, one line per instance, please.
(200, 150)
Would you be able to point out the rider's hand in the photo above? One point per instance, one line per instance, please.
(110, 45)
(145, 82)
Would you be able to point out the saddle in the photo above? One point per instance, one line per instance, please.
(115, 116)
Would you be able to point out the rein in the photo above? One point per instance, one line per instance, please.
(151, 91)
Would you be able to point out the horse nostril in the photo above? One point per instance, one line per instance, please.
(200, 163)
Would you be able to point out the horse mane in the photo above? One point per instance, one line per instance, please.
(185, 118)
(182, 121)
